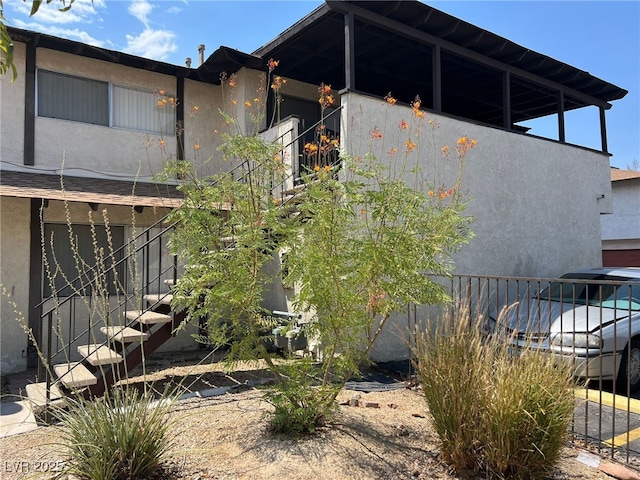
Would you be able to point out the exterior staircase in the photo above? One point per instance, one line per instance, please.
(140, 322)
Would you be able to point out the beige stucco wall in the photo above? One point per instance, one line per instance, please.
(92, 148)
(12, 111)
(14, 275)
(14, 278)
(536, 204)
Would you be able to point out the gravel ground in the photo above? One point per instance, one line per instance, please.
(388, 435)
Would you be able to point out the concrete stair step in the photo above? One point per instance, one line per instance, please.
(294, 190)
(99, 354)
(147, 318)
(124, 334)
(158, 298)
(37, 395)
(75, 374)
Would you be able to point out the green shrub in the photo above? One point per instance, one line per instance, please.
(122, 436)
(495, 413)
(301, 402)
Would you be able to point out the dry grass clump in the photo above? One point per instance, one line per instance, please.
(121, 436)
(496, 413)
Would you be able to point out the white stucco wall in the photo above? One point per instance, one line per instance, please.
(14, 278)
(621, 229)
(536, 203)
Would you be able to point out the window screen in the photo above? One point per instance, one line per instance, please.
(73, 98)
(139, 110)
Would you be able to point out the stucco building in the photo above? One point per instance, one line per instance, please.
(94, 115)
(621, 229)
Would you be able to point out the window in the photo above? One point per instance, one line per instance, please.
(62, 256)
(73, 98)
(84, 100)
(139, 110)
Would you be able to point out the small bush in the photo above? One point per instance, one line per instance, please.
(496, 414)
(301, 403)
(122, 436)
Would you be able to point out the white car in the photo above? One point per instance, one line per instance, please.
(590, 318)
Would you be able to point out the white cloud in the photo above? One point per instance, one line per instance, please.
(156, 44)
(141, 10)
(82, 11)
(174, 10)
(68, 33)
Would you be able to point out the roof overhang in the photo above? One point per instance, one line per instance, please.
(393, 44)
(88, 190)
(224, 59)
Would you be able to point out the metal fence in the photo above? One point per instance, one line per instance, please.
(591, 321)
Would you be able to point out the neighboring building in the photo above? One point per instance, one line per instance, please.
(621, 229)
(93, 113)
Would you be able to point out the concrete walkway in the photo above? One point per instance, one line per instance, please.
(16, 415)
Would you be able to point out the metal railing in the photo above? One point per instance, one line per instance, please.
(591, 323)
(61, 312)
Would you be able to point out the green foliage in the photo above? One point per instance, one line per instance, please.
(229, 229)
(366, 251)
(6, 44)
(6, 49)
(300, 400)
(495, 414)
(361, 240)
(122, 436)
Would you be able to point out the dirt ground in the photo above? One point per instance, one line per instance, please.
(388, 435)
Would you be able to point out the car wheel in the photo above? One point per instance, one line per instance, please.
(630, 366)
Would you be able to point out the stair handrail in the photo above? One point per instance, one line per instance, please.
(130, 249)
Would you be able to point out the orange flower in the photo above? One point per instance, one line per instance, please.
(196, 147)
(393, 151)
(247, 103)
(233, 81)
(375, 134)
(161, 143)
(310, 148)
(403, 125)
(160, 92)
(389, 99)
(272, 64)
(316, 168)
(327, 168)
(324, 89)
(444, 151)
(278, 82)
(464, 144)
(410, 145)
(419, 113)
(415, 105)
(326, 99)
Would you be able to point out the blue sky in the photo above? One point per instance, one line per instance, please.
(600, 37)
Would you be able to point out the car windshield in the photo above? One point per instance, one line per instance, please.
(623, 297)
